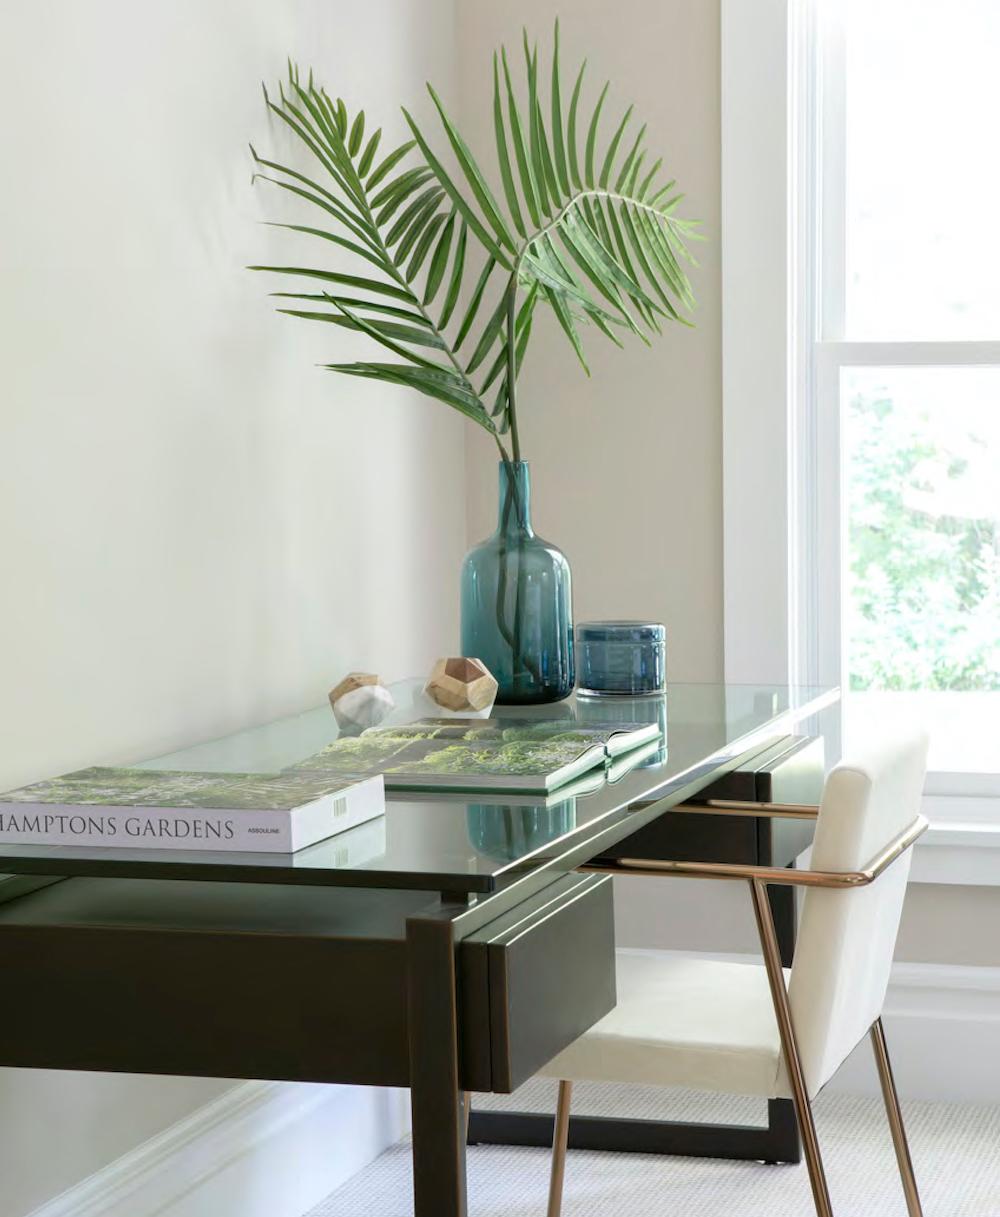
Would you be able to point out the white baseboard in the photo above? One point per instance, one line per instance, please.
(943, 1027)
(263, 1149)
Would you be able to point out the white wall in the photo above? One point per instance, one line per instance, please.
(626, 465)
(199, 529)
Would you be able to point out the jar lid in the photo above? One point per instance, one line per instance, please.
(621, 631)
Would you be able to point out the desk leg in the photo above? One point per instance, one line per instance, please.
(436, 1099)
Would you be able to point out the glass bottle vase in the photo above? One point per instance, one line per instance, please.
(517, 604)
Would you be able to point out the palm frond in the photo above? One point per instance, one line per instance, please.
(588, 236)
(400, 220)
(589, 231)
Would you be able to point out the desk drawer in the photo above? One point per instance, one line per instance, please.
(539, 976)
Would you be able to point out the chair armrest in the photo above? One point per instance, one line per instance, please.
(770, 874)
(739, 807)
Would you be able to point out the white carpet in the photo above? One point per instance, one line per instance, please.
(956, 1151)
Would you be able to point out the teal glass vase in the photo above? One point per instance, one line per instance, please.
(517, 602)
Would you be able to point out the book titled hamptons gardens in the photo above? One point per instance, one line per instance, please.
(170, 809)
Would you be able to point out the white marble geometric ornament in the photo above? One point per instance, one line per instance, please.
(360, 701)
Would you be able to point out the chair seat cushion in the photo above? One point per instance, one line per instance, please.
(682, 1021)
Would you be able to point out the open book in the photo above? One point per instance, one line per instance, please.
(508, 754)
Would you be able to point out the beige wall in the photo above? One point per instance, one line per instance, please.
(626, 465)
(941, 924)
(199, 529)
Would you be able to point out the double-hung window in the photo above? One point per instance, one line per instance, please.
(887, 433)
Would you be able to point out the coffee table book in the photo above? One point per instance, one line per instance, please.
(171, 809)
(499, 754)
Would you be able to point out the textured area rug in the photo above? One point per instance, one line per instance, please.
(956, 1151)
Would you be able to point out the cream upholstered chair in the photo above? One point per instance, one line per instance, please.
(744, 1029)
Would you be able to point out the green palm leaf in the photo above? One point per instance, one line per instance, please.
(630, 160)
(474, 302)
(398, 190)
(520, 341)
(593, 236)
(466, 209)
(328, 276)
(574, 104)
(388, 329)
(592, 136)
(355, 302)
(424, 217)
(520, 148)
(558, 138)
(369, 153)
(474, 177)
(503, 156)
(391, 218)
(357, 135)
(423, 246)
(390, 163)
(362, 252)
(439, 262)
(455, 283)
(548, 196)
(444, 386)
(609, 156)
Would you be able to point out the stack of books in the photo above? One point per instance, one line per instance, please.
(338, 788)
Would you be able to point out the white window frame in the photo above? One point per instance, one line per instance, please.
(781, 371)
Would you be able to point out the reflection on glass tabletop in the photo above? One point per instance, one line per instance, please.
(467, 842)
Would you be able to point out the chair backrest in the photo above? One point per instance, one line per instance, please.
(847, 936)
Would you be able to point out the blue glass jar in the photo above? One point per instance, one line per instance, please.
(627, 658)
(517, 602)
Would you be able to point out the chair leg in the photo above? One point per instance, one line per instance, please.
(892, 1110)
(790, 1048)
(560, 1137)
(467, 1105)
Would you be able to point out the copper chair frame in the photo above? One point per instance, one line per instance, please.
(759, 878)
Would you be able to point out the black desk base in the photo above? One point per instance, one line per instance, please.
(692, 837)
(777, 1141)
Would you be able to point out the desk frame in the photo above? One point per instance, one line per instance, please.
(431, 957)
(749, 795)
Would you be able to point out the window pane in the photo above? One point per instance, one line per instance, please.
(922, 497)
(922, 241)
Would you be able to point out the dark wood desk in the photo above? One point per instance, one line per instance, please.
(454, 947)
(788, 772)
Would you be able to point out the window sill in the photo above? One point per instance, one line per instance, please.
(962, 845)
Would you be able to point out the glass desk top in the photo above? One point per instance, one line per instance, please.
(462, 842)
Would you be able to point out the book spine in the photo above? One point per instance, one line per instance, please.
(144, 828)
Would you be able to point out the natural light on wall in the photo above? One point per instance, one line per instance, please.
(911, 314)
